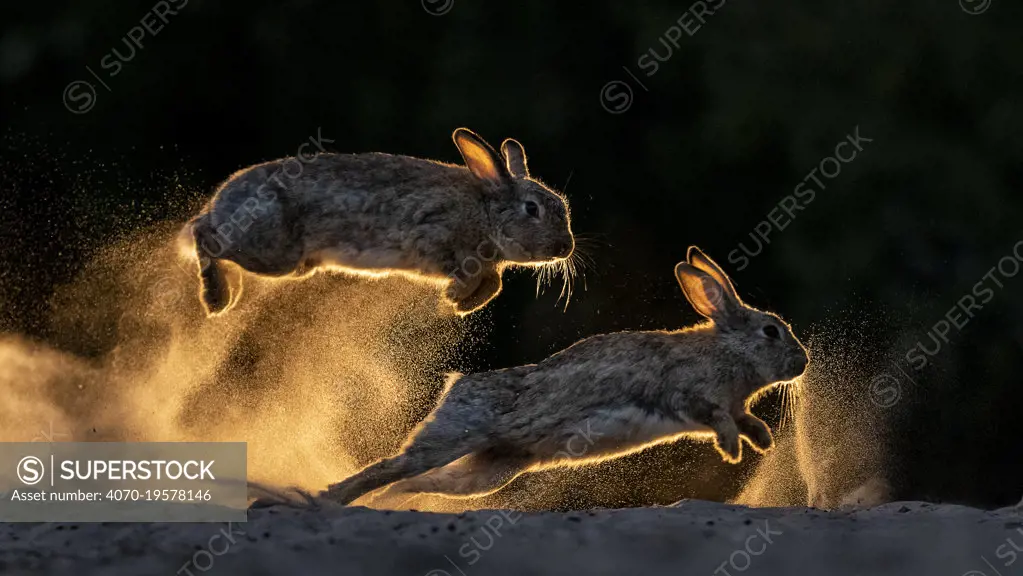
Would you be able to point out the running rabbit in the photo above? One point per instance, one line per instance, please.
(600, 398)
(376, 214)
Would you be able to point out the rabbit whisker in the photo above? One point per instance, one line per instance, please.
(568, 269)
(790, 397)
(785, 401)
(794, 391)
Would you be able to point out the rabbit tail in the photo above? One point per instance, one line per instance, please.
(216, 290)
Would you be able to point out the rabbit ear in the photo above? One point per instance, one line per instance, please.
(704, 292)
(515, 155)
(700, 260)
(482, 160)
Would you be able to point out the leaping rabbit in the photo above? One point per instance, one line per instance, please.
(600, 398)
(375, 213)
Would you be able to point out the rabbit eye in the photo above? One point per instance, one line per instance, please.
(771, 331)
(532, 208)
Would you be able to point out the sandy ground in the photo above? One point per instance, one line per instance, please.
(692, 537)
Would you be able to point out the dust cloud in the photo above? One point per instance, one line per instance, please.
(319, 376)
(832, 452)
(322, 375)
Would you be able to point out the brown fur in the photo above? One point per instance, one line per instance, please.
(459, 226)
(603, 397)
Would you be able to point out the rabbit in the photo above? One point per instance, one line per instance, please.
(377, 214)
(601, 398)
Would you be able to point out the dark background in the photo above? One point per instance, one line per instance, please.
(737, 116)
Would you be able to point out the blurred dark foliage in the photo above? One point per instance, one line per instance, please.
(729, 124)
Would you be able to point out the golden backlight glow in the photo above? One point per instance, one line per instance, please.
(831, 444)
(320, 375)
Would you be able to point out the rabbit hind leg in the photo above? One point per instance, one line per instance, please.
(477, 474)
(384, 472)
(435, 444)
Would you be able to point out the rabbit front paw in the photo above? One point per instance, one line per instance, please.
(729, 448)
(726, 432)
(489, 286)
(459, 289)
(756, 431)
